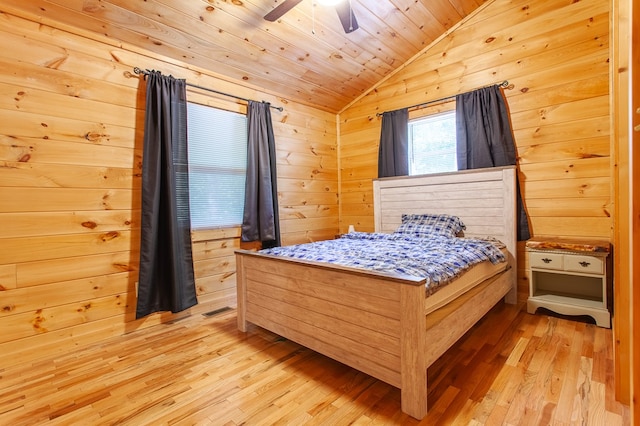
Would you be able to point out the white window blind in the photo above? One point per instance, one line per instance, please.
(432, 144)
(217, 148)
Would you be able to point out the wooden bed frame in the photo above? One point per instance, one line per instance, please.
(376, 322)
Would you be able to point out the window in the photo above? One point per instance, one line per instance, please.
(217, 148)
(432, 144)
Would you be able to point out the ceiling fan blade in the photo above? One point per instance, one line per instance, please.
(347, 18)
(281, 9)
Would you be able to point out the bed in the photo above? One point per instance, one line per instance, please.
(383, 324)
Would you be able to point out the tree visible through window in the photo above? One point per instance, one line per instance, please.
(217, 147)
(432, 144)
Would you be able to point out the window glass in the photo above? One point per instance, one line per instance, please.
(217, 147)
(432, 144)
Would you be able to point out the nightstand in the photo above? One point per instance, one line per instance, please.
(570, 277)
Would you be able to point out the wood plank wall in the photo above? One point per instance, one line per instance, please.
(630, 261)
(555, 54)
(623, 217)
(72, 115)
(625, 59)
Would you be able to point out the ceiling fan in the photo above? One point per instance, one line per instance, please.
(343, 7)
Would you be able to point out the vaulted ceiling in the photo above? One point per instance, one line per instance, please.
(305, 56)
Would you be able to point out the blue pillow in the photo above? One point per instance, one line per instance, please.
(427, 225)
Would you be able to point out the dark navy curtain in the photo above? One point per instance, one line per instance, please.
(485, 139)
(260, 218)
(166, 279)
(393, 152)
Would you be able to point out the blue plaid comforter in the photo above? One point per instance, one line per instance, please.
(437, 259)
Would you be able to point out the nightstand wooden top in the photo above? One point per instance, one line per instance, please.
(585, 245)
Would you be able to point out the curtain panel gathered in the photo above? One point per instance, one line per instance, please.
(485, 139)
(393, 152)
(166, 278)
(260, 219)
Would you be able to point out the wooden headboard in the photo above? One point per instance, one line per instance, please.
(485, 200)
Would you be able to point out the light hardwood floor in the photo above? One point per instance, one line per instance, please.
(511, 368)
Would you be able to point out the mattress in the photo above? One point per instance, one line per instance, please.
(463, 283)
(439, 260)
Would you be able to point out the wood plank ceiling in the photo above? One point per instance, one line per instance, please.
(305, 56)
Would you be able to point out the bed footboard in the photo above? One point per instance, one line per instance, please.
(355, 317)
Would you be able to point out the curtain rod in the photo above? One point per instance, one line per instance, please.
(147, 72)
(504, 84)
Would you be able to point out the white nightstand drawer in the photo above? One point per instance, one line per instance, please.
(546, 260)
(586, 264)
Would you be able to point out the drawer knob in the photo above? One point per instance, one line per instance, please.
(584, 264)
(546, 260)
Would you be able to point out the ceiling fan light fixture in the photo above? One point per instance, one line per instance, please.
(343, 8)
